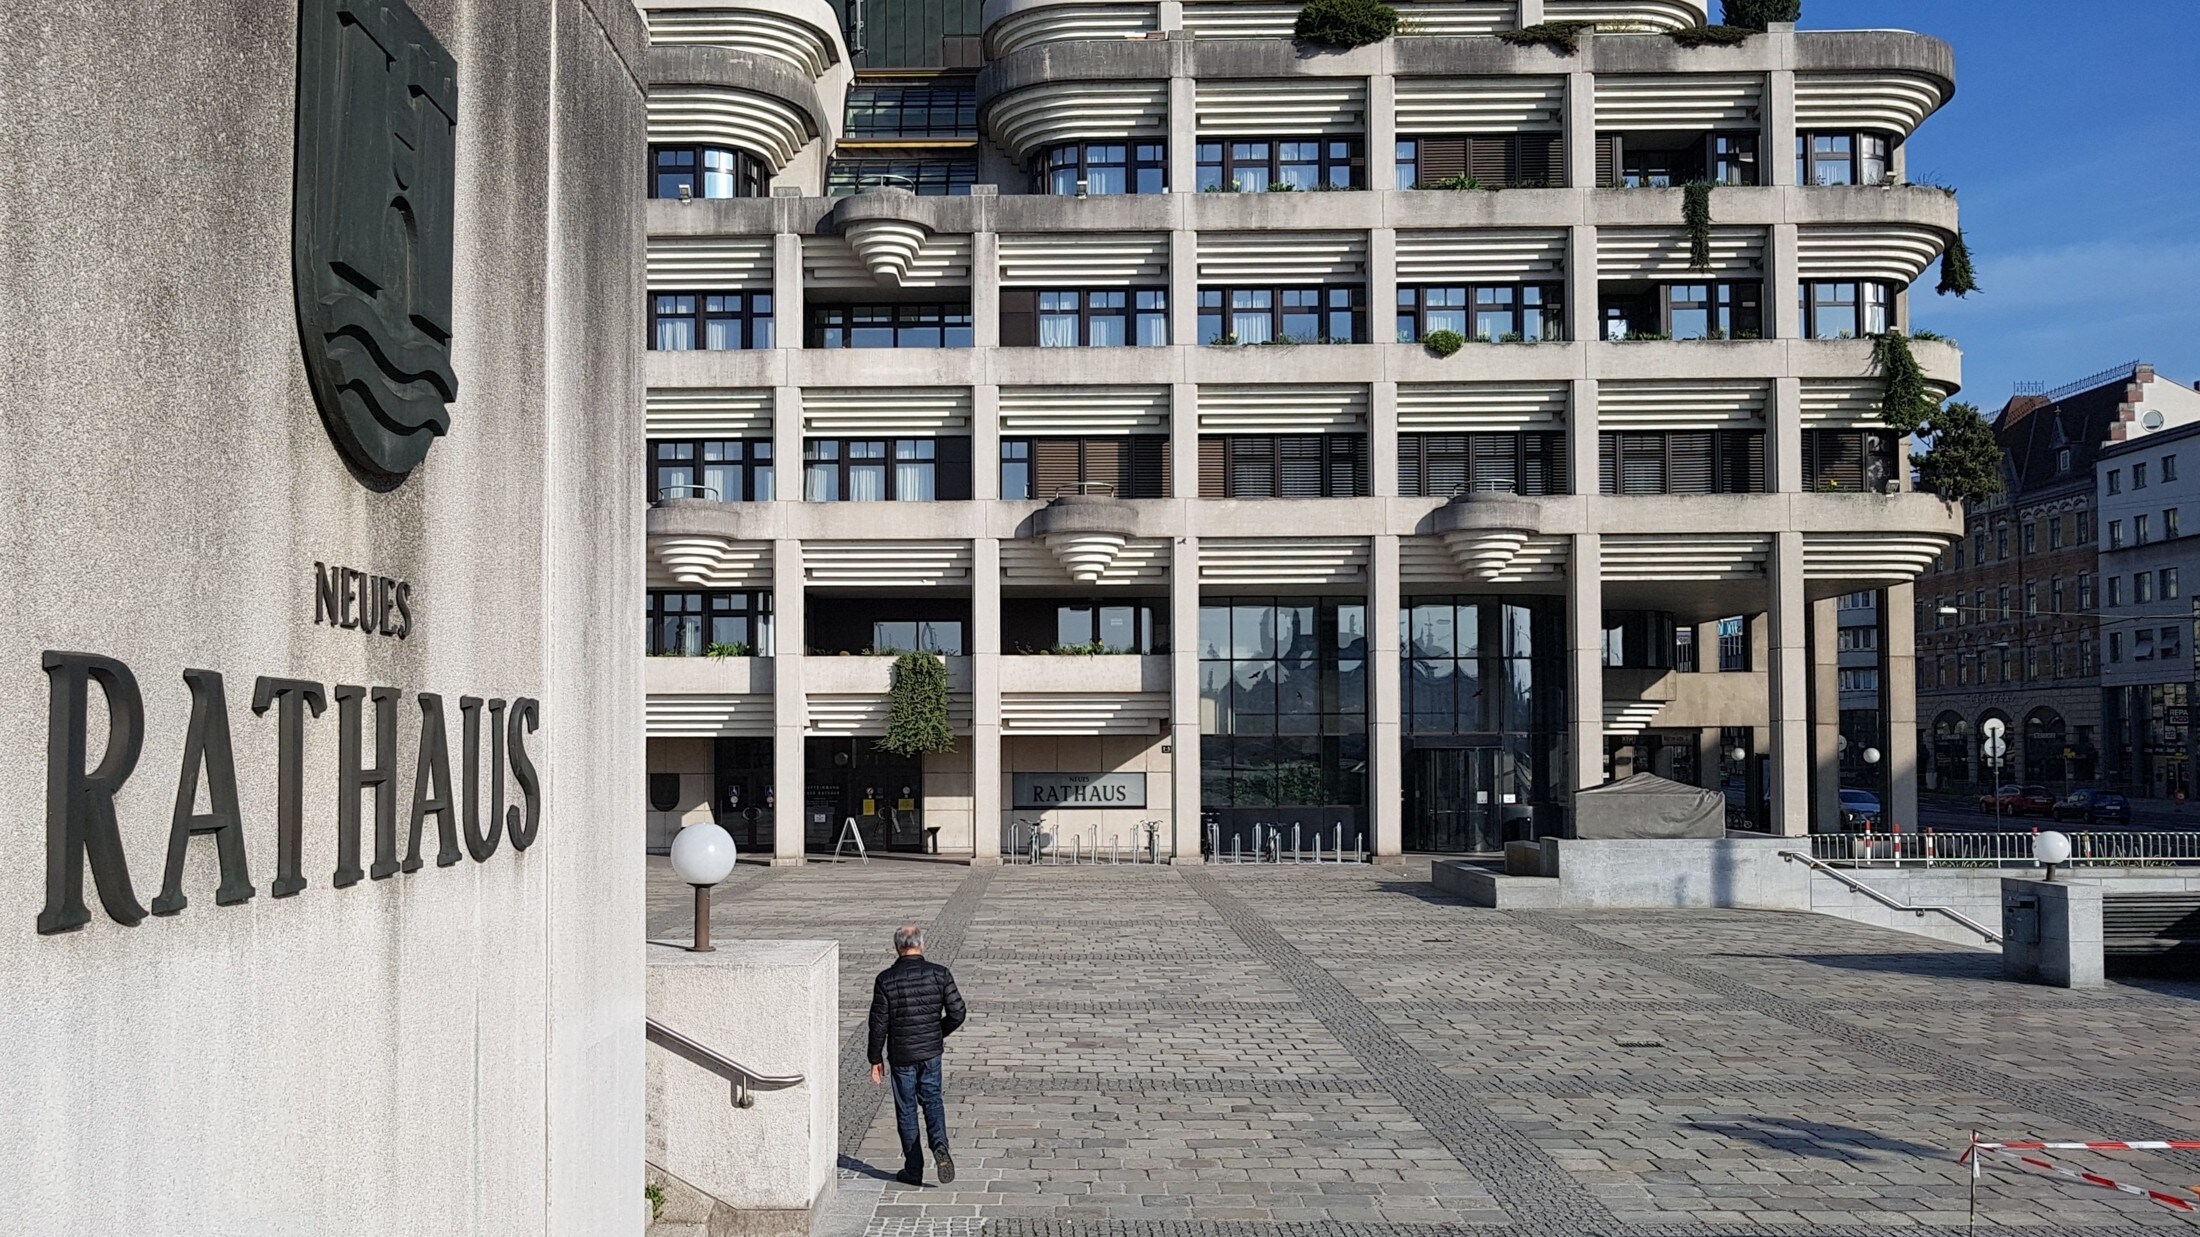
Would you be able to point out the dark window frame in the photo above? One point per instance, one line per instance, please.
(1744, 319)
(945, 459)
(885, 108)
(1222, 164)
(1856, 164)
(748, 459)
(695, 615)
(1244, 463)
(751, 317)
(1024, 312)
(926, 175)
(1225, 311)
(1070, 169)
(1414, 311)
(749, 176)
(1809, 306)
(1141, 464)
(1510, 156)
(1735, 465)
(1427, 463)
(1655, 162)
(834, 326)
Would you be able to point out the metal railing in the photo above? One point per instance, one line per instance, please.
(1287, 844)
(1031, 842)
(1796, 856)
(745, 1080)
(665, 492)
(1930, 848)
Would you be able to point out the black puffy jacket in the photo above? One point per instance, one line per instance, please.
(914, 1007)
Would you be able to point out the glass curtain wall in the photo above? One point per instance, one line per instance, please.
(1283, 720)
(1484, 721)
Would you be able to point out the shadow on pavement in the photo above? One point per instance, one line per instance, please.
(849, 1163)
(1957, 966)
(1815, 1139)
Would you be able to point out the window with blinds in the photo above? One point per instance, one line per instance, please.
(1134, 465)
(1283, 466)
(1682, 462)
(1513, 160)
(1850, 461)
(1440, 465)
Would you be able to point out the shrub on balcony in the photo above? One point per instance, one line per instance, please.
(1346, 24)
(1759, 14)
(1956, 274)
(1965, 461)
(1444, 343)
(1563, 37)
(1710, 36)
(916, 707)
(1907, 402)
(1696, 216)
(722, 649)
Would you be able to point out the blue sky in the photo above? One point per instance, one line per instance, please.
(2074, 140)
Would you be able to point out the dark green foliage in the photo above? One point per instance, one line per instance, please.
(1696, 214)
(1956, 274)
(1908, 403)
(916, 707)
(1965, 463)
(1456, 182)
(1563, 37)
(1444, 343)
(1758, 14)
(1346, 23)
(1710, 36)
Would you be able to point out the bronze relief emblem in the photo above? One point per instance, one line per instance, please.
(371, 229)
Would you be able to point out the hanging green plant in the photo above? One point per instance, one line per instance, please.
(1956, 274)
(1908, 402)
(1759, 14)
(1443, 343)
(916, 707)
(1345, 24)
(1563, 37)
(1696, 215)
(1710, 36)
(1965, 462)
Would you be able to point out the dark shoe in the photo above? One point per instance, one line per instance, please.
(909, 1178)
(947, 1166)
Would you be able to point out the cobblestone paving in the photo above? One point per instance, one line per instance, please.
(1338, 1051)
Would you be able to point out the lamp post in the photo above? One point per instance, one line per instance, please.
(702, 855)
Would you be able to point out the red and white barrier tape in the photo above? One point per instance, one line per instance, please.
(2001, 1149)
(2109, 1146)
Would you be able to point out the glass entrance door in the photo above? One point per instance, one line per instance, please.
(1457, 800)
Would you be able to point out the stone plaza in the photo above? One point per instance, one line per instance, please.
(1293, 1052)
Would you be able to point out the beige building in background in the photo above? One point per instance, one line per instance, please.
(1273, 561)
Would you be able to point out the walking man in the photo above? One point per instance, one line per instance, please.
(914, 1008)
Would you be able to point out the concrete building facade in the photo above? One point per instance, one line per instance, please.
(1123, 377)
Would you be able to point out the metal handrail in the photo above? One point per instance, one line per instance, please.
(1890, 903)
(687, 491)
(744, 1079)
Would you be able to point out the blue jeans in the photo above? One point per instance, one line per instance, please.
(915, 1085)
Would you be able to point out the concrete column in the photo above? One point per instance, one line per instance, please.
(1784, 437)
(985, 289)
(1382, 133)
(1582, 435)
(985, 442)
(790, 727)
(1382, 440)
(1781, 281)
(1385, 736)
(1184, 289)
(1183, 129)
(1184, 442)
(1825, 715)
(787, 290)
(1776, 141)
(1581, 128)
(1898, 701)
(1184, 697)
(1709, 756)
(1531, 12)
(1787, 680)
(1584, 316)
(985, 700)
(1171, 15)
(1585, 660)
(1382, 286)
(787, 449)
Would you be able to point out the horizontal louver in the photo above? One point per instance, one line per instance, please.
(1454, 18)
(1695, 556)
(1028, 561)
(1032, 411)
(715, 265)
(1679, 101)
(756, 123)
(1467, 407)
(1275, 257)
(1683, 404)
(1085, 259)
(1284, 560)
(1233, 19)
(1493, 254)
(1062, 23)
(1296, 106)
(916, 412)
(1889, 251)
(750, 30)
(1079, 111)
(1631, 14)
(887, 563)
(941, 262)
(1647, 252)
(679, 412)
(1849, 403)
(1896, 102)
(1481, 105)
(1281, 409)
(701, 716)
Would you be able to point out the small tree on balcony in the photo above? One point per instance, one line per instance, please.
(1964, 463)
(916, 707)
(1907, 402)
(1956, 274)
(1696, 216)
(1346, 23)
(1759, 14)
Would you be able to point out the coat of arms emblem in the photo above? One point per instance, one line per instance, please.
(371, 228)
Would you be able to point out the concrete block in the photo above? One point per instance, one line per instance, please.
(772, 1006)
(1482, 887)
(1524, 859)
(1680, 872)
(2052, 933)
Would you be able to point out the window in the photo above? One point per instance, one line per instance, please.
(2062, 460)
(1978, 537)
(2055, 594)
(889, 326)
(1257, 165)
(2030, 537)
(2115, 646)
(1862, 680)
(1851, 462)
(2169, 522)
(1084, 318)
(2115, 534)
(2169, 468)
(2142, 587)
(2172, 642)
(2031, 598)
(1733, 645)
(1682, 462)
(1112, 627)
(2055, 533)
(706, 172)
(690, 624)
(927, 176)
(1283, 701)
(1281, 315)
(1508, 313)
(1439, 465)
(2139, 528)
(1496, 161)
(2085, 527)
(724, 470)
(930, 107)
(2138, 476)
(1963, 670)
(885, 469)
(1103, 169)
(1840, 158)
(2001, 543)
(1857, 639)
(714, 322)
(1668, 160)
(1837, 310)
(2142, 644)
(1283, 466)
(2115, 591)
(2001, 602)
(2085, 590)
(1125, 465)
(1713, 311)
(2169, 584)
(2115, 480)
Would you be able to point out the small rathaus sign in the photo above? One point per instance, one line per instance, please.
(1046, 790)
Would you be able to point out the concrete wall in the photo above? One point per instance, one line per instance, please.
(693, 762)
(1087, 754)
(1974, 893)
(1679, 872)
(454, 1050)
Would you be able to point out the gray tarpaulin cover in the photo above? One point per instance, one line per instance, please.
(1649, 806)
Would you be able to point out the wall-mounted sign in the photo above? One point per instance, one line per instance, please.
(355, 600)
(1045, 790)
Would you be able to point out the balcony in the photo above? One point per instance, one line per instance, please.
(1104, 673)
(867, 675)
(708, 676)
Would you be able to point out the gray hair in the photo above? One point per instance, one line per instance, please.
(909, 936)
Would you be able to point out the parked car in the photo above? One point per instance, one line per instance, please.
(2094, 807)
(1859, 809)
(2015, 800)
(2036, 801)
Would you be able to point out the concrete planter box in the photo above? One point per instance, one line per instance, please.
(707, 676)
(1079, 675)
(868, 676)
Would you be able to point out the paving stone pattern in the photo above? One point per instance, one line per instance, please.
(1264, 1052)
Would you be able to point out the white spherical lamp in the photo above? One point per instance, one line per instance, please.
(702, 855)
(1871, 755)
(2051, 848)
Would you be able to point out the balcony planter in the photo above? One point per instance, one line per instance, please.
(1078, 674)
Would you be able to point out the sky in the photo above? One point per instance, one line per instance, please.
(2074, 144)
